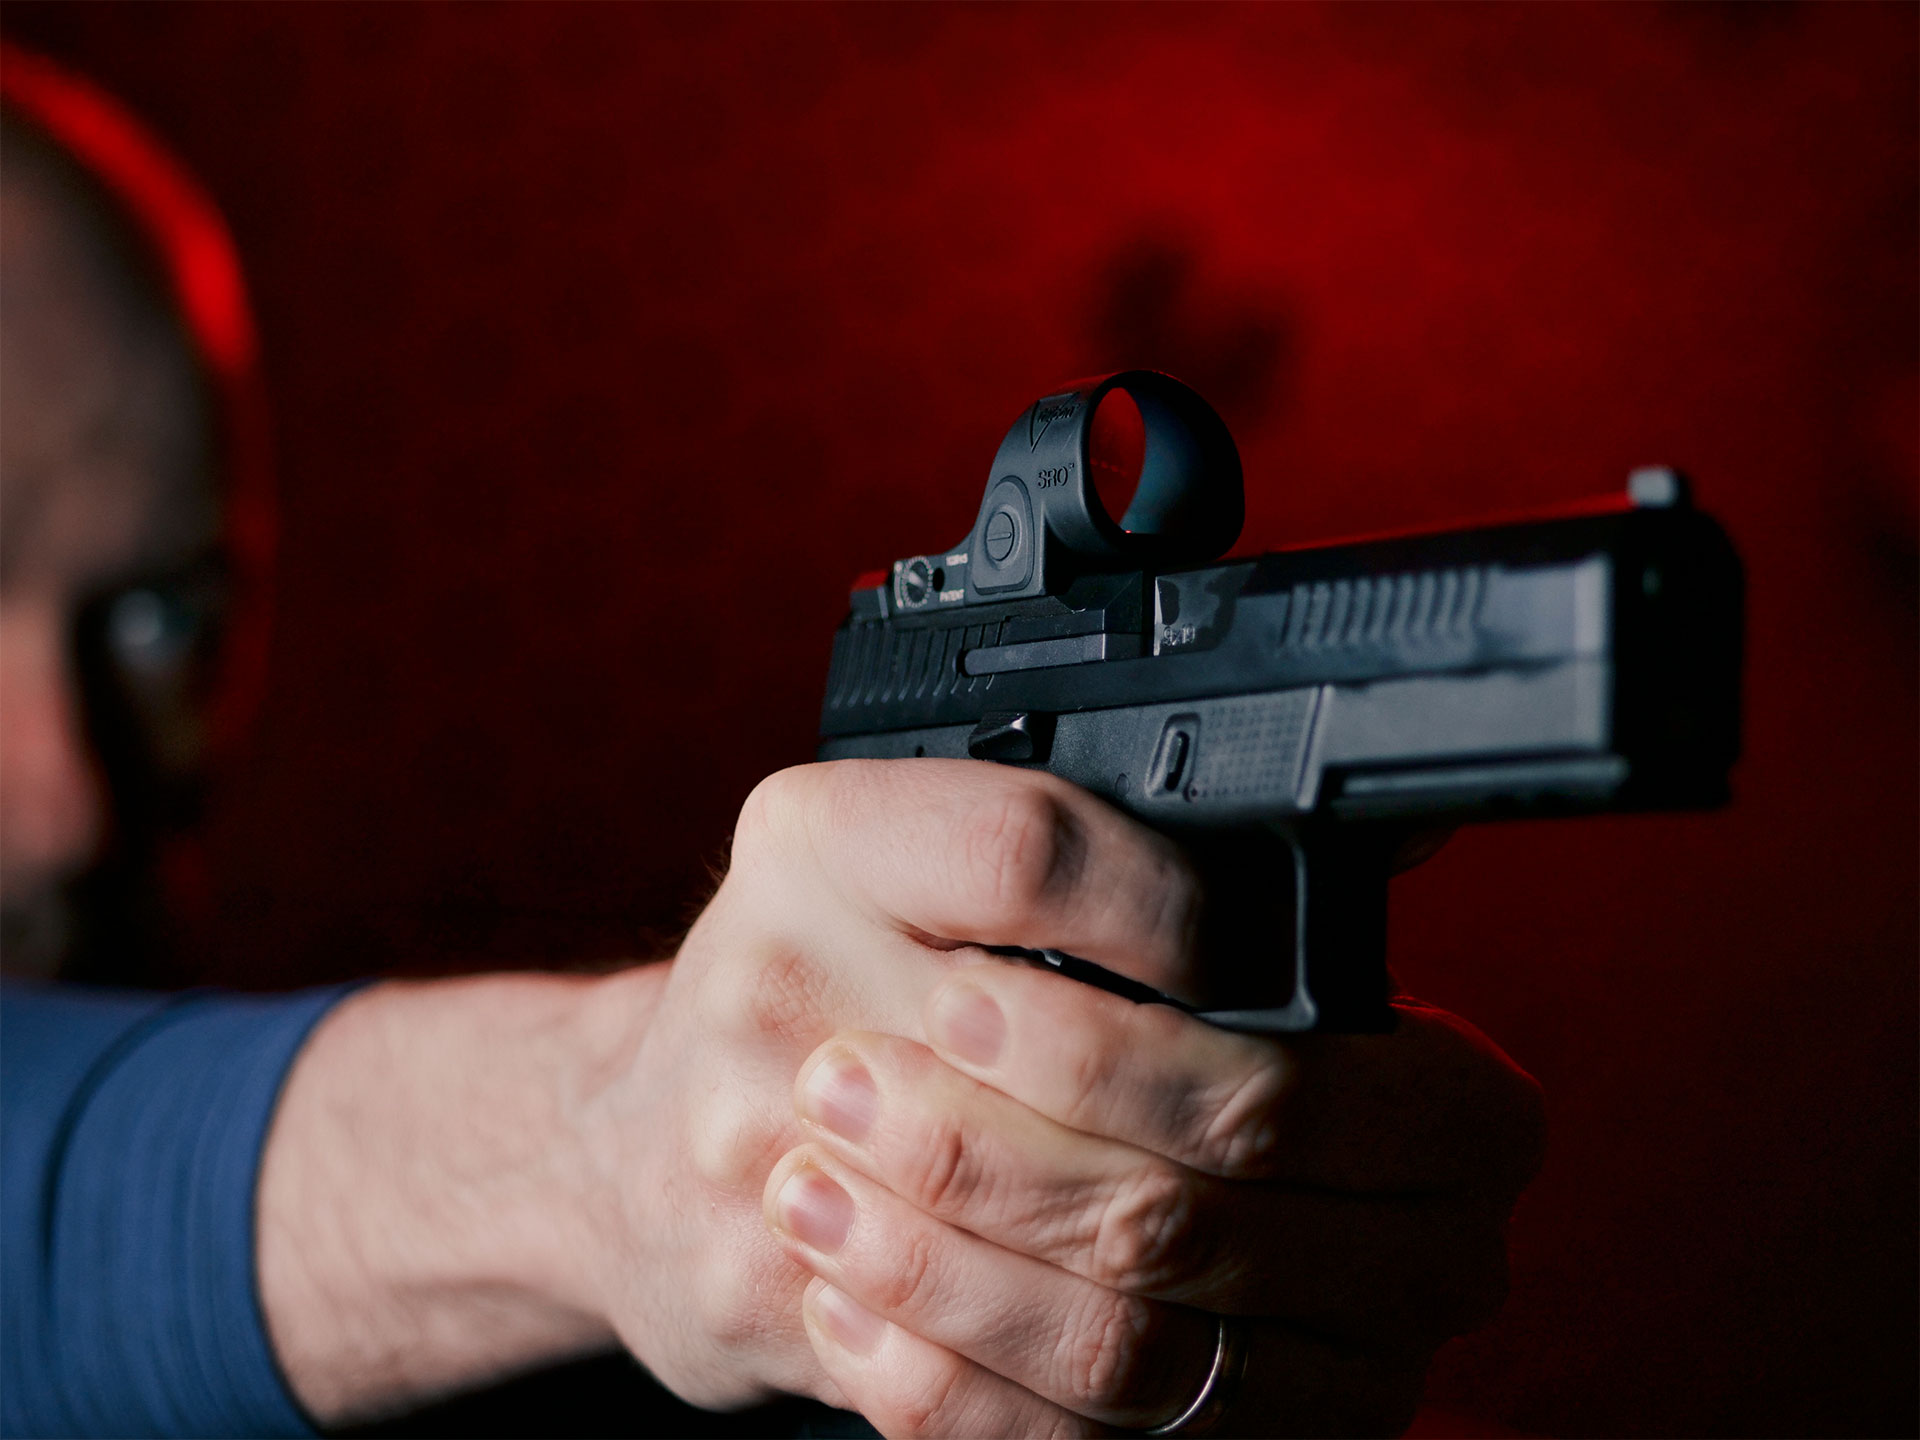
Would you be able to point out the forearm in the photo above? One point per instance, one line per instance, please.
(431, 1207)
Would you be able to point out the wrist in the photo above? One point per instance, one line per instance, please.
(431, 1209)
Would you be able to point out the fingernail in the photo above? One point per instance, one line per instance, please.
(967, 1021)
(851, 1324)
(814, 1209)
(840, 1095)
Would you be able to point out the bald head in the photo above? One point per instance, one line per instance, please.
(105, 483)
(103, 456)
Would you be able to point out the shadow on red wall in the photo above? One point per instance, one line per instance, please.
(609, 343)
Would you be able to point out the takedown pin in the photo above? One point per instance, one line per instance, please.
(1010, 735)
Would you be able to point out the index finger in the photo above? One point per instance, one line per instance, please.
(1434, 1106)
(969, 852)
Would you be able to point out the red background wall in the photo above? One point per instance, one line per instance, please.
(609, 343)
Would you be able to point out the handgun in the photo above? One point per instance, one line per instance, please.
(1291, 718)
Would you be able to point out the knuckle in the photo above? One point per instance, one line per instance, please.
(732, 1147)
(1021, 848)
(903, 1287)
(770, 812)
(1484, 1303)
(936, 1407)
(1094, 1072)
(1175, 898)
(1143, 1231)
(730, 1313)
(943, 1173)
(1483, 1289)
(844, 796)
(1101, 1363)
(783, 997)
(1237, 1129)
(1496, 1105)
(1528, 1146)
(1505, 1117)
(1358, 1394)
(1459, 1286)
(1388, 1401)
(762, 810)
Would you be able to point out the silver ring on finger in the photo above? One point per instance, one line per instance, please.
(1220, 1387)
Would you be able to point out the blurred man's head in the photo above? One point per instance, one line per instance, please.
(109, 531)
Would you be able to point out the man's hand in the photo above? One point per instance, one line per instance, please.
(855, 889)
(1030, 1226)
(470, 1177)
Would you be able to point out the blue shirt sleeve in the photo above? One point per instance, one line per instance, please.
(131, 1128)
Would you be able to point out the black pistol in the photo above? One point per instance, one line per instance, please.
(1293, 717)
